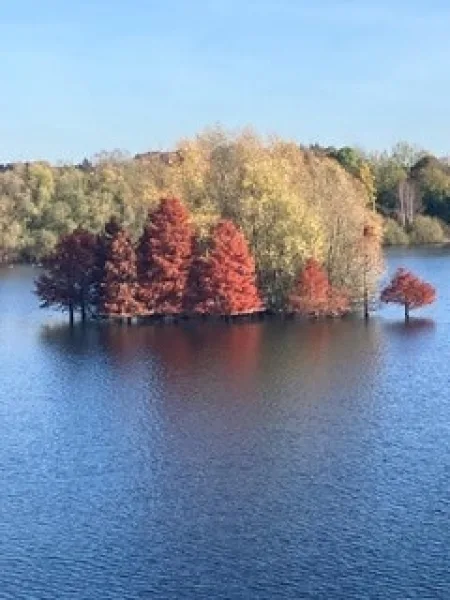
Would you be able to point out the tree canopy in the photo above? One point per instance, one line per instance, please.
(409, 291)
(223, 279)
(164, 257)
(69, 279)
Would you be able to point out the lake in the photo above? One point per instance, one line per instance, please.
(262, 460)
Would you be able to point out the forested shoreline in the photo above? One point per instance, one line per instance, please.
(224, 224)
(174, 272)
(291, 204)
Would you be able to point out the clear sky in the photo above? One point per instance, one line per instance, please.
(82, 76)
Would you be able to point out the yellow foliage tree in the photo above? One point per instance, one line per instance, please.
(291, 204)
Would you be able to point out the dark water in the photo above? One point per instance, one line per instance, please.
(256, 461)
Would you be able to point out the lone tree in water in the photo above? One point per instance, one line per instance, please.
(223, 282)
(409, 291)
(314, 296)
(119, 286)
(164, 258)
(69, 276)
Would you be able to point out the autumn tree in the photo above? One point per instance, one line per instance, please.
(164, 258)
(69, 275)
(223, 281)
(314, 296)
(289, 202)
(110, 230)
(119, 285)
(338, 302)
(409, 291)
(310, 294)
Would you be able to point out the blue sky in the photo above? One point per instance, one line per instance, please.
(84, 76)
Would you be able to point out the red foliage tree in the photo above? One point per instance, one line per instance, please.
(118, 289)
(223, 282)
(310, 295)
(338, 302)
(409, 291)
(70, 272)
(164, 258)
(104, 241)
(314, 296)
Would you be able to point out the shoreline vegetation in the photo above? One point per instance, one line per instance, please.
(172, 274)
(262, 224)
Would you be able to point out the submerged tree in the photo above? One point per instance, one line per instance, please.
(164, 258)
(310, 295)
(70, 272)
(314, 296)
(409, 291)
(104, 241)
(118, 289)
(371, 263)
(223, 282)
(338, 302)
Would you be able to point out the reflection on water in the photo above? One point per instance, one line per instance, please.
(414, 327)
(259, 460)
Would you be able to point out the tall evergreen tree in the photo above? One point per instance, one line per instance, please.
(70, 271)
(223, 281)
(119, 284)
(164, 258)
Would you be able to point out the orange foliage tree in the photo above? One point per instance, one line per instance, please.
(409, 291)
(118, 288)
(314, 296)
(164, 258)
(104, 240)
(223, 282)
(69, 276)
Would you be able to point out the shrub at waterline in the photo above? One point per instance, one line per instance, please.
(426, 230)
(314, 296)
(394, 234)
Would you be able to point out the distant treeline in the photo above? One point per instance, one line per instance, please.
(409, 186)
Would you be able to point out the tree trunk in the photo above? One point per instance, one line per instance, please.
(71, 315)
(406, 312)
(83, 312)
(365, 291)
(366, 305)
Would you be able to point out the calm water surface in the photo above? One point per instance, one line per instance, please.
(251, 461)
